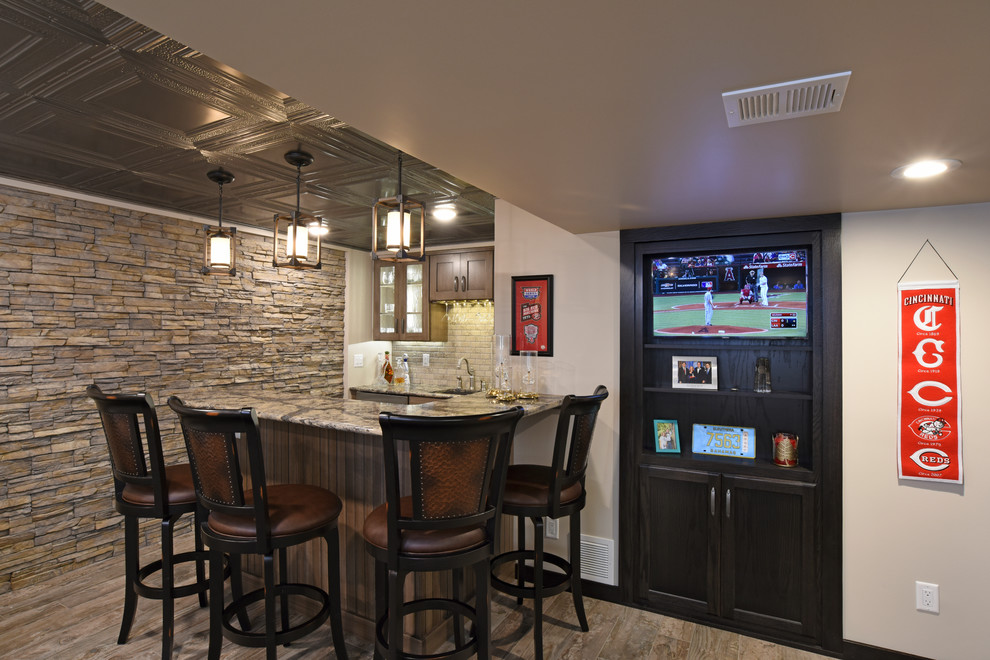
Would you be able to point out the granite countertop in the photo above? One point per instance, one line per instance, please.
(413, 391)
(348, 414)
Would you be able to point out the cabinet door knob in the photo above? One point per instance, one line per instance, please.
(711, 503)
(728, 503)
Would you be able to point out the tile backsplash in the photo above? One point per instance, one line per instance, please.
(470, 326)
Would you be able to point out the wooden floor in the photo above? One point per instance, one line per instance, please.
(77, 616)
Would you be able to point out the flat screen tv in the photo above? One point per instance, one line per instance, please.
(756, 294)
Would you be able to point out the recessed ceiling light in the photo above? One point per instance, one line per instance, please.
(444, 213)
(925, 168)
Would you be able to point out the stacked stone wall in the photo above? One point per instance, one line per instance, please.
(96, 293)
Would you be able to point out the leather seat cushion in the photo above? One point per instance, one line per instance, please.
(292, 508)
(529, 485)
(421, 542)
(178, 487)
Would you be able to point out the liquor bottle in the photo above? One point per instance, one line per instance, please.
(387, 370)
(400, 374)
(406, 374)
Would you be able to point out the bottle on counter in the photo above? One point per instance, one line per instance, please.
(400, 375)
(387, 372)
(380, 371)
(406, 374)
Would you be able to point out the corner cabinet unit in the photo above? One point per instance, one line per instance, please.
(465, 275)
(402, 311)
(737, 542)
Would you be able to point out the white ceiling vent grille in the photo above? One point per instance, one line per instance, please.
(786, 100)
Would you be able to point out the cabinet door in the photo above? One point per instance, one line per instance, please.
(385, 300)
(768, 554)
(445, 274)
(414, 323)
(477, 274)
(678, 544)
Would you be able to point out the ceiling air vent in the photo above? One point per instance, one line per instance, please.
(786, 100)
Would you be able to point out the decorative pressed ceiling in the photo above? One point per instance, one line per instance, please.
(93, 102)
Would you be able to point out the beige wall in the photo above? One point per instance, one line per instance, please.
(585, 342)
(896, 532)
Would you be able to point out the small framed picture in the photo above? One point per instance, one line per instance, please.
(694, 372)
(665, 435)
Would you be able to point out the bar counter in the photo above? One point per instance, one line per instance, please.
(336, 443)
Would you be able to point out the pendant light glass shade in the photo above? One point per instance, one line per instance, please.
(398, 217)
(219, 251)
(292, 231)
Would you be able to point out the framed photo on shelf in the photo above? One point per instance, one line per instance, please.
(532, 314)
(694, 372)
(665, 436)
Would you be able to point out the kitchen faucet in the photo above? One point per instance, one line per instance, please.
(470, 371)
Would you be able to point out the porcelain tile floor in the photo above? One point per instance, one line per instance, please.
(77, 615)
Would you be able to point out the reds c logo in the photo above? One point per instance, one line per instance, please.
(931, 459)
(924, 318)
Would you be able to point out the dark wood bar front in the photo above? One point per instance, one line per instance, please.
(336, 444)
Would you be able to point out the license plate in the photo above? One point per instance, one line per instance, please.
(734, 441)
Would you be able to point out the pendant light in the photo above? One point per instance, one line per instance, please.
(218, 249)
(398, 216)
(292, 232)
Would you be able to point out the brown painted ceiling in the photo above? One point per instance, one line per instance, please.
(602, 115)
(94, 102)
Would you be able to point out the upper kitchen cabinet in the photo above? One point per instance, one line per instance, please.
(462, 275)
(402, 311)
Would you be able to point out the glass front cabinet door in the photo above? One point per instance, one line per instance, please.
(401, 307)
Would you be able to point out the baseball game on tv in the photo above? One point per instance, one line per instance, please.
(755, 294)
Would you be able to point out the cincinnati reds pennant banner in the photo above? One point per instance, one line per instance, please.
(928, 439)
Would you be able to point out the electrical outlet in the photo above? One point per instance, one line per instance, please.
(426, 359)
(550, 529)
(359, 359)
(926, 597)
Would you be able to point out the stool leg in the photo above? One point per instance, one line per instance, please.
(216, 603)
(521, 545)
(269, 571)
(198, 520)
(395, 580)
(575, 559)
(538, 586)
(130, 571)
(381, 600)
(168, 589)
(457, 578)
(482, 608)
(236, 588)
(333, 590)
(283, 578)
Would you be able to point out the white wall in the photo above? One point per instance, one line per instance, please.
(358, 312)
(896, 532)
(585, 343)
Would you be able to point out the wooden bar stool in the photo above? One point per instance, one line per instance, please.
(538, 491)
(144, 487)
(444, 478)
(258, 519)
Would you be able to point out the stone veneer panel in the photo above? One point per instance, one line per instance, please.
(95, 293)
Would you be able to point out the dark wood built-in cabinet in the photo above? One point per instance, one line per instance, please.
(402, 311)
(735, 542)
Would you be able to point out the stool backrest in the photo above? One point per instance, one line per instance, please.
(572, 445)
(215, 458)
(454, 469)
(122, 416)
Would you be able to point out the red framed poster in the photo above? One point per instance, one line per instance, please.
(532, 314)
(929, 444)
